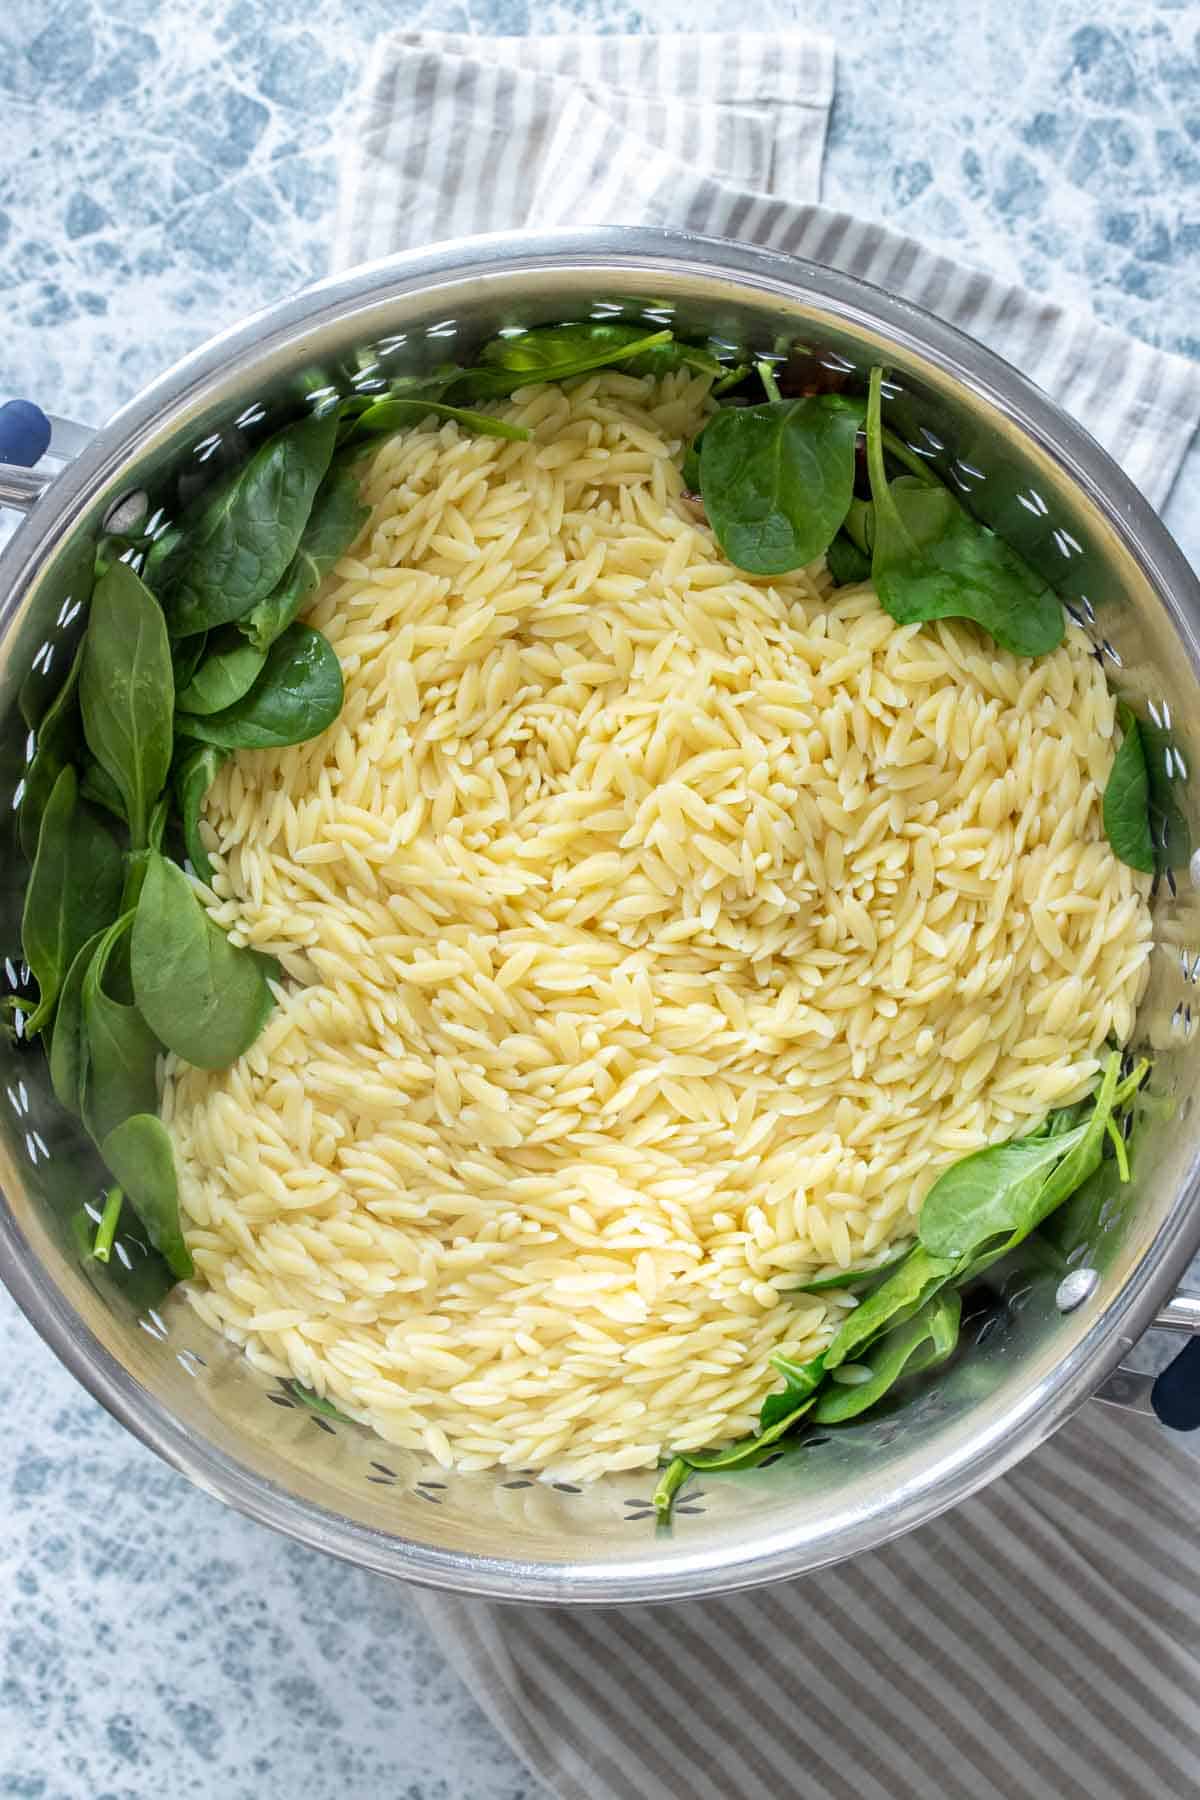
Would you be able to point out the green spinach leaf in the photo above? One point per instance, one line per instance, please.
(847, 563)
(854, 1278)
(931, 560)
(139, 1154)
(982, 1207)
(925, 1340)
(777, 479)
(393, 415)
(1142, 819)
(99, 787)
(119, 1074)
(74, 890)
(916, 1280)
(206, 999)
(1127, 798)
(337, 517)
(230, 668)
(68, 1042)
(298, 694)
(57, 744)
(551, 353)
(194, 775)
(240, 537)
(803, 1380)
(126, 693)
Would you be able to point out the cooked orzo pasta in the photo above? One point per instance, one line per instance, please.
(653, 934)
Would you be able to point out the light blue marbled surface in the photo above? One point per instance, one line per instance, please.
(161, 175)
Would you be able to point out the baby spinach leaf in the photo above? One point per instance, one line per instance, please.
(803, 1380)
(915, 1281)
(68, 1042)
(158, 557)
(859, 525)
(690, 467)
(853, 1278)
(928, 1338)
(1127, 798)
(1168, 826)
(551, 353)
(240, 536)
(847, 563)
(126, 693)
(139, 1154)
(74, 889)
(931, 560)
(186, 656)
(194, 775)
(749, 1451)
(98, 786)
(206, 999)
(297, 695)
(982, 1207)
(230, 668)
(546, 345)
(57, 744)
(119, 1072)
(337, 517)
(394, 415)
(776, 480)
(1142, 819)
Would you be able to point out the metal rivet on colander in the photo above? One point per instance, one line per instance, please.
(1075, 1288)
(128, 511)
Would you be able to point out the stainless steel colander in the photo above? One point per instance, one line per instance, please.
(1068, 1316)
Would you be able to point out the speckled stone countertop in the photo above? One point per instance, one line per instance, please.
(162, 174)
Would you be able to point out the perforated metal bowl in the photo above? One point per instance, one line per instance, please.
(1044, 485)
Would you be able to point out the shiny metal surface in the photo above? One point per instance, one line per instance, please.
(1030, 472)
(21, 489)
(1181, 1313)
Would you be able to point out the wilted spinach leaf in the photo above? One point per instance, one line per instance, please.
(206, 999)
(238, 538)
(777, 479)
(126, 693)
(297, 695)
(982, 1207)
(925, 1340)
(139, 1154)
(1142, 818)
(854, 1278)
(907, 1288)
(74, 891)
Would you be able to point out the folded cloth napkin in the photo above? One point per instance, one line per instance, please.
(1042, 1642)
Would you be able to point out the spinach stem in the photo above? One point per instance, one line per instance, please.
(669, 1484)
(106, 1231)
(1119, 1150)
(903, 453)
(766, 375)
(730, 379)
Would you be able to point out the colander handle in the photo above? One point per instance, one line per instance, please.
(1173, 1395)
(28, 437)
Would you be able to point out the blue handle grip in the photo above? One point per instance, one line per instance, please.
(1175, 1396)
(24, 433)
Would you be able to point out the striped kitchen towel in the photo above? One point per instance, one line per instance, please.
(1041, 1642)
